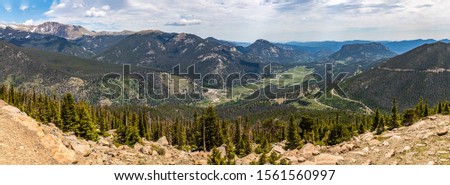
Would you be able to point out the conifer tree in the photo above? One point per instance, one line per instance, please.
(231, 153)
(216, 158)
(380, 128)
(376, 120)
(293, 139)
(394, 122)
(87, 128)
(68, 114)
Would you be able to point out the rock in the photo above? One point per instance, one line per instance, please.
(301, 159)
(248, 159)
(146, 150)
(432, 118)
(367, 162)
(387, 135)
(420, 145)
(427, 135)
(201, 162)
(395, 138)
(310, 163)
(223, 151)
(315, 153)
(293, 159)
(442, 132)
(279, 150)
(359, 153)
(327, 159)
(385, 143)
(137, 147)
(103, 142)
(346, 148)
(82, 148)
(366, 150)
(11, 109)
(60, 153)
(390, 153)
(307, 150)
(163, 141)
(430, 163)
(374, 142)
(407, 148)
(155, 153)
(442, 152)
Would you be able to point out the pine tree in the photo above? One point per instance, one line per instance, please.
(216, 158)
(128, 134)
(212, 130)
(87, 128)
(394, 122)
(246, 143)
(263, 159)
(426, 110)
(238, 141)
(380, 128)
(231, 154)
(409, 117)
(68, 114)
(293, 139)
(376, 120)
(273, 158)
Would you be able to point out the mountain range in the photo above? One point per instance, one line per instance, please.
(422, 72)
(54, 55)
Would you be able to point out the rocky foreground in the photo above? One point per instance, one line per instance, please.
(25, 141)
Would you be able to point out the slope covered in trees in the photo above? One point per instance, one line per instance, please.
(423, 72)
(206, 131)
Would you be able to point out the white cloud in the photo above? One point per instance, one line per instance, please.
(7, 7)
(24, 7)
(184, 22)
(277, 20)
(97, 12)
(28, 22)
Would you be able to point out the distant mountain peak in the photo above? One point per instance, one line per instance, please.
(363, 52)
(66, 31)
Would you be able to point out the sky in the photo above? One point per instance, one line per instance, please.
(246, 20)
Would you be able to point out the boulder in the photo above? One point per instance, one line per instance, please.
(81, 147)
(146, 150)
(367, 162)
(390, 153)
(347, 147)
(59, 152)
(442, 132)
(201, 162)
(315, 153)
(406, 149)
(374, 142)
(301, 159)
(137, 147)
(307, 150)
(279, 150)
(327, 159)
(103, 142)
(163, 141)
(222, 150)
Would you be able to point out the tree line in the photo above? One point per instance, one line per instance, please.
(205, 130)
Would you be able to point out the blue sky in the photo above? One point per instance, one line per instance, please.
(247, 20)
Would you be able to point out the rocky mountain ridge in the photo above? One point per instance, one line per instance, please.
(25, 141)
